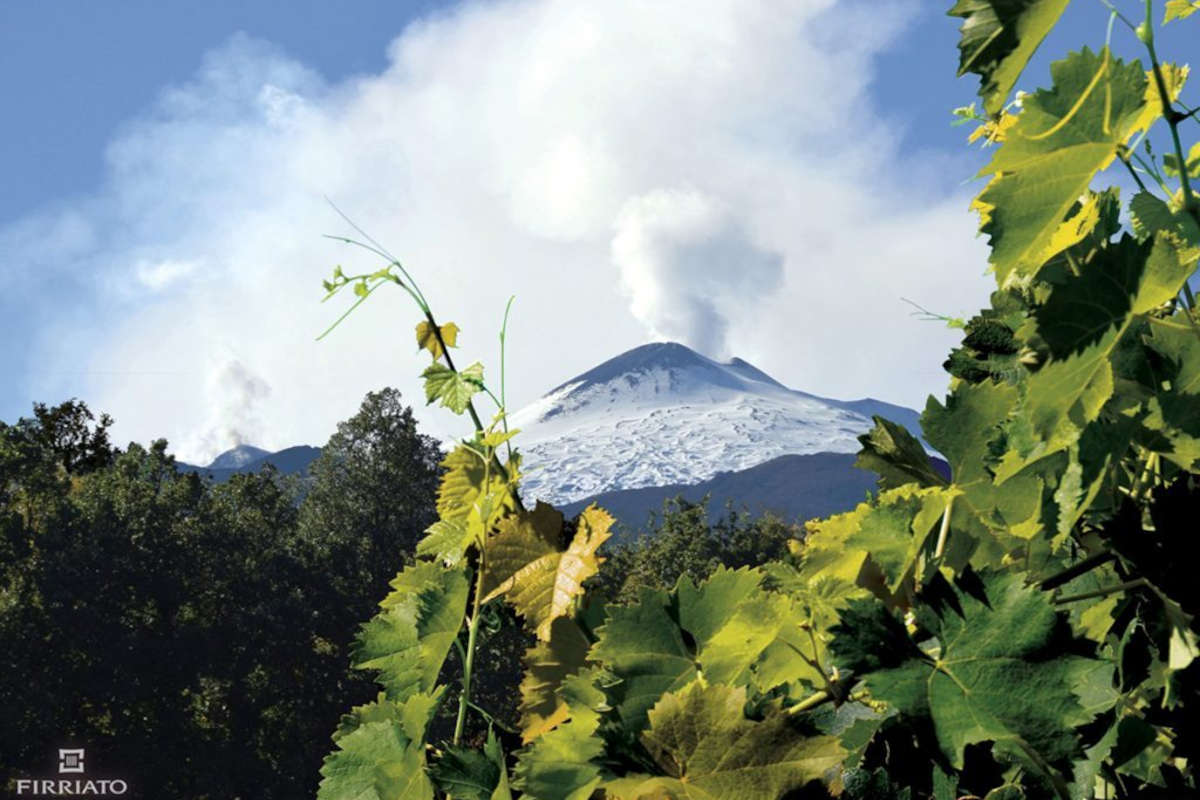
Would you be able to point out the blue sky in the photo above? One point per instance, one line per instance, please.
(162, 205)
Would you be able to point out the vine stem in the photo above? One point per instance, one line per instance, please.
(812, 701)
(1056, 780)
(944, 532)
(437, 331)
(464, 699)
(1105, 592)
(1071, 573)
(1172, 116)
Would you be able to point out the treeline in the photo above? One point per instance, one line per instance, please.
(194, 637)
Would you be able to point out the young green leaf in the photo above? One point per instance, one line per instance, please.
(380, 752)
(407, 641)
(453, 389)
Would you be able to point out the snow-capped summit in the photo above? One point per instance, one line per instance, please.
(664, 414)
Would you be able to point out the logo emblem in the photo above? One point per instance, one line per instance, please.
(70, 761)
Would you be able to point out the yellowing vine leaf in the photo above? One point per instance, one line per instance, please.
(706, 748)
(1180, 9)
(547, 665)
(1063, 137)
(526, 562)
(562, 764)
(428, 340)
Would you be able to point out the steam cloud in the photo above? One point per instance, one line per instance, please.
(233, 393)
(685, 262)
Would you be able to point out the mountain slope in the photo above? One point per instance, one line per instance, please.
(245, 458)
(664, 415)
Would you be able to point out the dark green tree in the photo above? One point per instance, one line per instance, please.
(683, 541)
(182, 630)
(370, 499)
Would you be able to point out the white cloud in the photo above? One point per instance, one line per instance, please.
(158, 275)
(571, 153)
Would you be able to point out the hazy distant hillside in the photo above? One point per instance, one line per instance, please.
(244, 458)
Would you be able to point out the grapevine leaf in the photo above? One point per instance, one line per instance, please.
(561, 764)
(428, 340)
(892, 531)
(497, 438)
(1180, 9)
(988, 519)
(462, 483)
(1174, 412)
(525, 562)
(465, 773)
(472, 493)
(495, 753)
(1000, 675)
(1080, 325)
(998, 38)
(1064, 136)
(380, 753)
(447, 541)
(706, 748)
(1192, 164)
(547, 665)
(643, 646)
(896, 456)
(407, 641)
(1150, 216)
(723, 628)
(453, 389)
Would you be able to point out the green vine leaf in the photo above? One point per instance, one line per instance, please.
(998, 39)
(892, 531)
(1174, 411)
(453, 389)
(562, 764)
(407, 641)
(1080, 326)
(724, 629)
(1001, 673)
(465, 773)
(1172, 168)
(896, 456)
(380, 752)
(705, 747)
